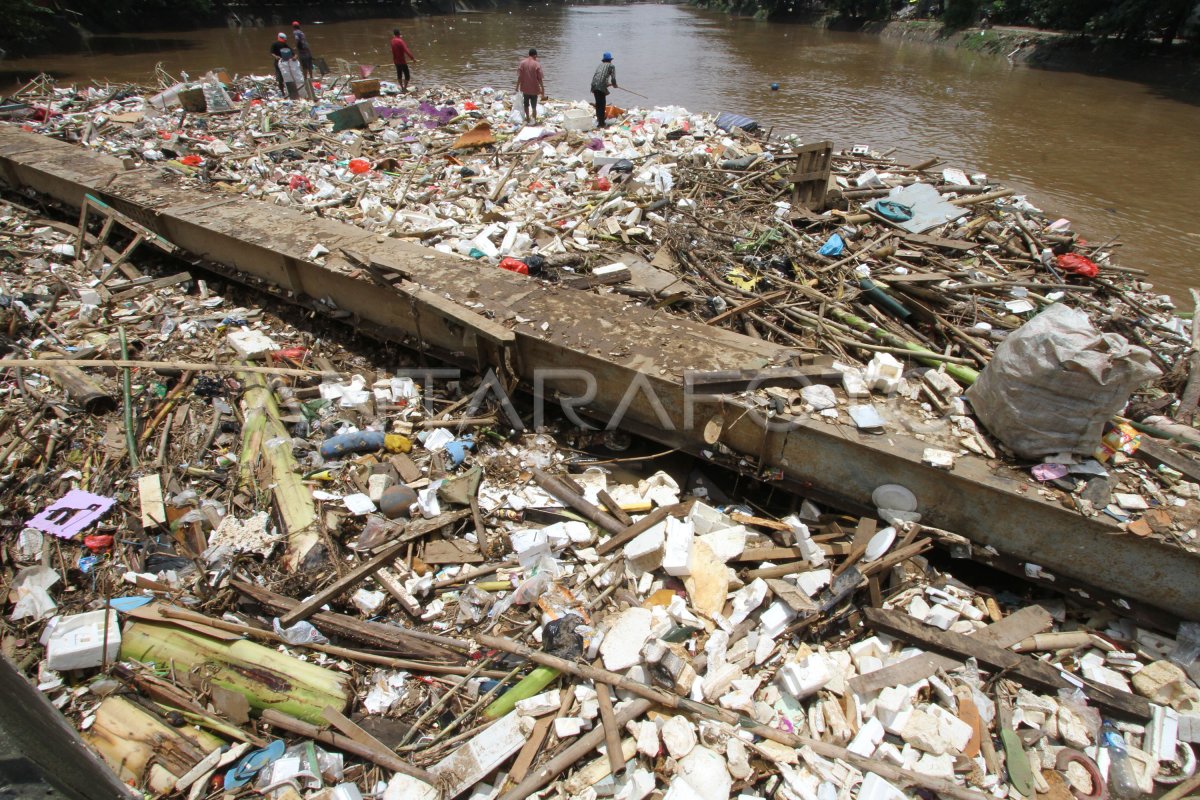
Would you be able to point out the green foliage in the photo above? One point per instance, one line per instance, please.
(25, 22)
(961, 13)
(865, 10)
(119, 16)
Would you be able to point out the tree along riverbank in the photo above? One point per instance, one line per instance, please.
(31, 28)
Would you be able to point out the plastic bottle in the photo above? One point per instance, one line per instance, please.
(1122, 782)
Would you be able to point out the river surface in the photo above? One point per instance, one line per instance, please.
(1117, 158)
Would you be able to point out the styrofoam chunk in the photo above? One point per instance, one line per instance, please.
(679, 735)
(677, 549)
(622, 645)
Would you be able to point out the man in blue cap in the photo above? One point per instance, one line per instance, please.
(605, 76)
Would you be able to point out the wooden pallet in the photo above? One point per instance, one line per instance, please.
(810, 181)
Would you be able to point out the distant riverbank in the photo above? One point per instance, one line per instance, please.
(1175, 71)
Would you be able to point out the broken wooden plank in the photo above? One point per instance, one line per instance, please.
(147, 287)
(150, 498)
(939, 241)
(348, 581)
(1035, 674)
(350, 728)
(1005, 633)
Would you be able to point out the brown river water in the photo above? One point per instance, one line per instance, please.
(1117, 158)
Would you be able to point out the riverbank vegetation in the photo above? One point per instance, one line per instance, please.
(1135, 21)
(57, 26)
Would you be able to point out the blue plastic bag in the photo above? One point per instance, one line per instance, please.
(833, 247)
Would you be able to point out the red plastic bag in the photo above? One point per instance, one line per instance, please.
(289, 354)
(601, 184)
(469, 106)
(98, 542)
(513, 265)
(191, 161)
(359, 165)
(1078, 265)
(299, 182)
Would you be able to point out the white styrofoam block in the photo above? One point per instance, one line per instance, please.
(249, 343)
(706, 519)
(726, 543)
(646, 549)
(78, 641)
(813, 581)
(677, 548)
(746, 599)
(775, 619)
(622, 645)
(539, 704)
(867, 739)
(893, 708)
(565, 727)
(637, 785)
(951, 728)
(941, 616)
(647, 738)
(874, 787)
(804, 680)
(706, 772)
(1189, 727)
(1162, 733)
(405, 787)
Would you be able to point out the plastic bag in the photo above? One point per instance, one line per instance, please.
(1077, 264)
(1054, 382)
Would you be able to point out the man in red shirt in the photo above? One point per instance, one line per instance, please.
(530, 83)
(401, 55)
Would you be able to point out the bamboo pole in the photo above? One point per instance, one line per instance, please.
(264, 435)
(127, 395)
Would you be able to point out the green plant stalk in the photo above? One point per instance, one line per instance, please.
(127, 389)
(963, 374)
(537, 680)
(266, 678)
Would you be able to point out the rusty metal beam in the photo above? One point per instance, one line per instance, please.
(638, 360)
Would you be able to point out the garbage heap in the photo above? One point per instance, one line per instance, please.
(242, 558)
(902, 279)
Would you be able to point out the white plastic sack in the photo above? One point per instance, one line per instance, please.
(1055, 381)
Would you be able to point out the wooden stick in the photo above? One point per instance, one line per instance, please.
(388, 761)
(612, 731)
(614, 508)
